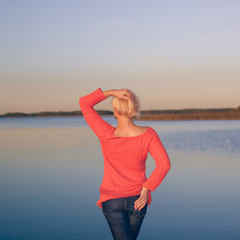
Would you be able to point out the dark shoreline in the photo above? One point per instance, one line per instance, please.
(148, 115)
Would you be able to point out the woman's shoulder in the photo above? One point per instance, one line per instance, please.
(148, 129)
(142, 128)
(151, 131)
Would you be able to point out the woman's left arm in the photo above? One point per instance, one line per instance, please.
(163, 165)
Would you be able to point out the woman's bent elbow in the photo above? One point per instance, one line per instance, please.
(168, 166)
(81, 102)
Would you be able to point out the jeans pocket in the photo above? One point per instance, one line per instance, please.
(110, 206)
(140, 213)
(136, 212)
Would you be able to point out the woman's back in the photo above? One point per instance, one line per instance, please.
(130, 132)
(124, 163)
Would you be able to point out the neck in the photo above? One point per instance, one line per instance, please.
(124, 122)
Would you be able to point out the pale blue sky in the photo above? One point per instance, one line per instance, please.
(172, 54)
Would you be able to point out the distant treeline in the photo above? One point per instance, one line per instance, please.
(181, 114)
(191, 114)
(191, 110)
(50, 114)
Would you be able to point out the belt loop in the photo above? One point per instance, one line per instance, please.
(125, 204)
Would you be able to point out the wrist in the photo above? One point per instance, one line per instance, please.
(145, 189)
(109, 93)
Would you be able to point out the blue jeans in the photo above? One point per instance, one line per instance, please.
(124, 221)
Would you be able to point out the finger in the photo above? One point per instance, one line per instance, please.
(136, 203)
(127, 96)
(139, 203)
(128, 93)
(140, 200)
(136, 206)
(141, 206)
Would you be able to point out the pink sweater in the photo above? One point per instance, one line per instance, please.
(124, 157)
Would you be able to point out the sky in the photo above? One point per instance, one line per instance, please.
(172, 54)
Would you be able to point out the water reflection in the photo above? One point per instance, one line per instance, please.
(50, 175)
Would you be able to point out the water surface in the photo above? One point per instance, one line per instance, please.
(51, 170)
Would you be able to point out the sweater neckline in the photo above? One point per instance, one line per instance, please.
(129, 137)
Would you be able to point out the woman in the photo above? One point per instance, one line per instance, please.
(125, 191)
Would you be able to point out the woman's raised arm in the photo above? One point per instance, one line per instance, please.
(97, 124)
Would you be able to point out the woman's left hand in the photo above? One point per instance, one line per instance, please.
(142, 200)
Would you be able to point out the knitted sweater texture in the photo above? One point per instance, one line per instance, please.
(124, 157)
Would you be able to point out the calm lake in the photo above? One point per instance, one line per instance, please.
(51, 170)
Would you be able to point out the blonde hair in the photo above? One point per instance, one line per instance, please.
(129, 108)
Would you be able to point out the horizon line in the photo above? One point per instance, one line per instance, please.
(46, 111)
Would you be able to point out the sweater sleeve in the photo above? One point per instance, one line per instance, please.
(93, 119)
(160, 156)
